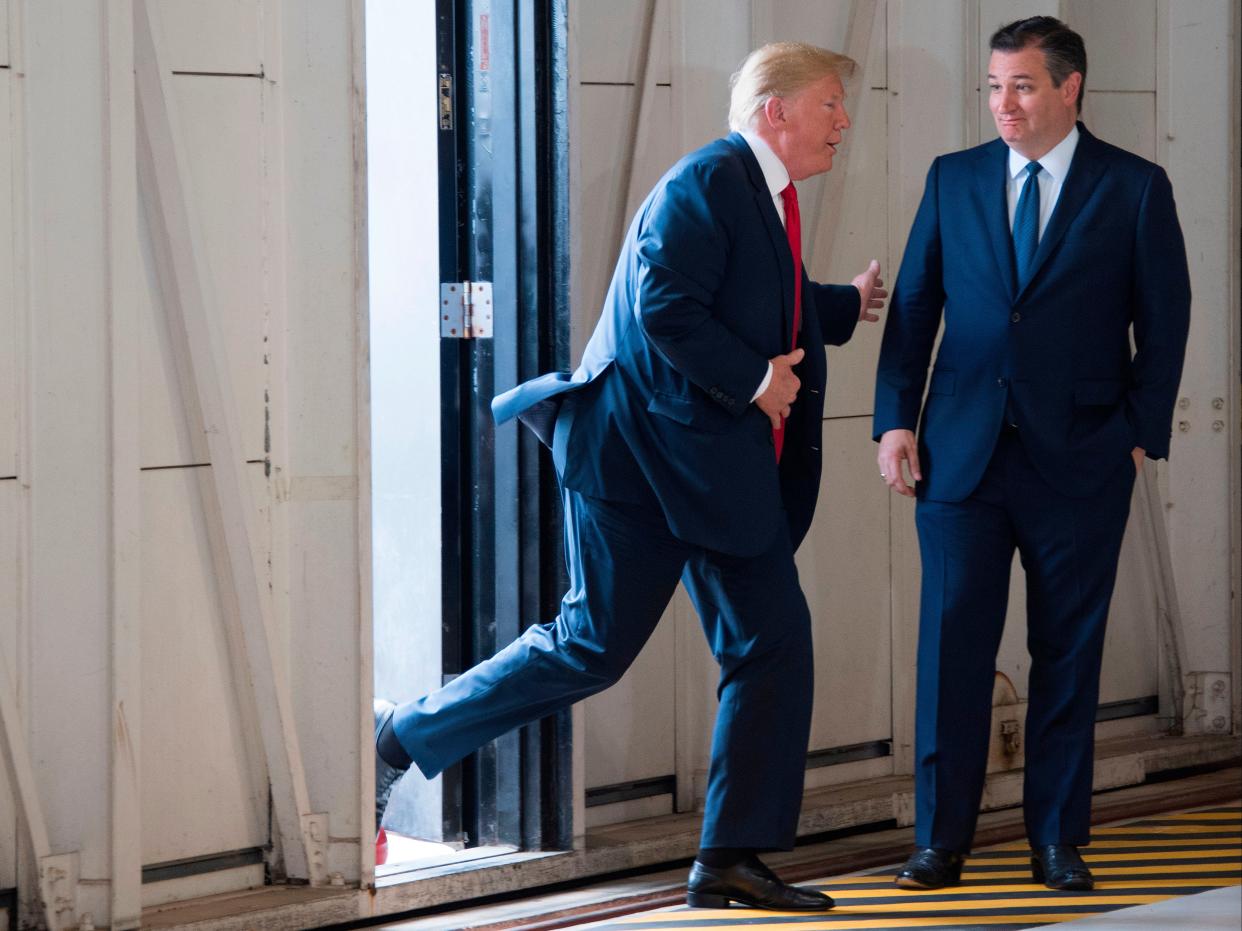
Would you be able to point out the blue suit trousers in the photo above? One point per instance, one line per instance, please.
(1069, 548)
(624, 565)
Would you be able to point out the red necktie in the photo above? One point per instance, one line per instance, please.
(793, 230)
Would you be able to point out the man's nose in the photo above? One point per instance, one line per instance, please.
(845, 119)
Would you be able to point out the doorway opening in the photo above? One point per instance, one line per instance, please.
(466, 184)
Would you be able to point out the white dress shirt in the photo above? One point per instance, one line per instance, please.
(1055, 165)
(777, 179)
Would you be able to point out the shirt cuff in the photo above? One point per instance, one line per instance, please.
(763, 385)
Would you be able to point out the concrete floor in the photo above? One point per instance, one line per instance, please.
(1207, 911)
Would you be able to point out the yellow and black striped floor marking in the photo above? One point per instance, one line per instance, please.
(1137, 863)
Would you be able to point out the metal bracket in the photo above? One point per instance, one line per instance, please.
(466, 309)
(315, 830)
(1011, 736)
(1208, 701)
(58, 886)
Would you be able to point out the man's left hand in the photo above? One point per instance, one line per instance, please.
(1138, 453)
(871, 292)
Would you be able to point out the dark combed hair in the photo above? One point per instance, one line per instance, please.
(1063, 48)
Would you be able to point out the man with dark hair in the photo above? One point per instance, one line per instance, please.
(1042, 252)
(1064, 52)
(688, 447)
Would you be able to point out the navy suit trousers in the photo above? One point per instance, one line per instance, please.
(624, 565)
(1069, 548)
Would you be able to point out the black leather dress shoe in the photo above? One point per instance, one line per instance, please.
(752, 884)
(386, 776)
(1059, 866)
(930, 868)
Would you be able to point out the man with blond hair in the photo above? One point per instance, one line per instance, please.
(688, 447)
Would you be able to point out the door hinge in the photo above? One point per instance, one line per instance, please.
(466, 309)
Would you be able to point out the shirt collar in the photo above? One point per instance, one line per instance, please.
(770, 164)
(1055, 162)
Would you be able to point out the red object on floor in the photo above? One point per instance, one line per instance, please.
(381, 848)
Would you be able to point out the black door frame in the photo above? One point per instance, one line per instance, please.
(503, 180)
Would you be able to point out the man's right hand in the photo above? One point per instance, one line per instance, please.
(897, 446)
(782, 390)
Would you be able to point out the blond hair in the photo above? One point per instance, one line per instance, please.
(780, 69)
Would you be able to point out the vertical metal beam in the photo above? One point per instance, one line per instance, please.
(1150, 513)
(32, 844)
(362, 389)
(1234, 420)
(202, 367)
(454, 517)
(121, 243)
(497, 617)
(48, 884)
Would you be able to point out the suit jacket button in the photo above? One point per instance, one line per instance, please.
(1000, 383)
(1015, 317)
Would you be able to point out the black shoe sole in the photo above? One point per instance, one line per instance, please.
(909, 882)
(708, 900)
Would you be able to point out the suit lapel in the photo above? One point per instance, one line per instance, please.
(990, 181)
(776, 231)
(1084, 173)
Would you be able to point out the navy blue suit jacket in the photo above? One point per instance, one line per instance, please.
(1111, 258)
(701, 298)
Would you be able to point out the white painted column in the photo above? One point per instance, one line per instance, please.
(126, 508)
(1197, 119)
(320, 434)
(67, 688)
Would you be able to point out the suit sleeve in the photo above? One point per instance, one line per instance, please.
(684, 248)
(913, 320)
(838, 307)
(1161, 317)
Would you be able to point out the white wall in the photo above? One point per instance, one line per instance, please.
(187, 632)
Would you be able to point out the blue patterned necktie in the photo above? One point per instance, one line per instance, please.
(1026, 222)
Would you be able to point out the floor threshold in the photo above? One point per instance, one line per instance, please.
(610, 900)
(879, 806)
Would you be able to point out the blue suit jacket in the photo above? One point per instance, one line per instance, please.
(702, 296)
(1111, 258)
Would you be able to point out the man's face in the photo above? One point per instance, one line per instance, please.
(1031, 115)
(809, 126)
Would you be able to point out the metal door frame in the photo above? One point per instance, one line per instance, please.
(503, 218)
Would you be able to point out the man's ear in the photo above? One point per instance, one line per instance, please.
(1070, 86)
(774, 112)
